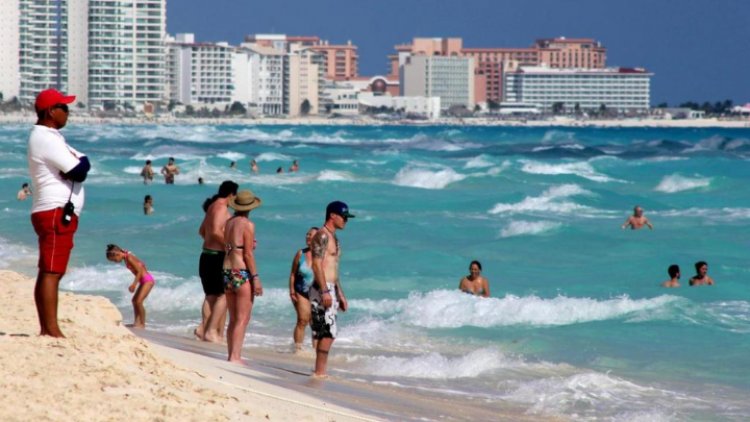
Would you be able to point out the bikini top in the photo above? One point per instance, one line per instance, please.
(130, 267)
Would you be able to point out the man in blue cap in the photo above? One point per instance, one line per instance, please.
(326, 295)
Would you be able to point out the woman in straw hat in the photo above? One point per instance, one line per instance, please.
(241, 280)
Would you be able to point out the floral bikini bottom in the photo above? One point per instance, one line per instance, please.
(234, 279)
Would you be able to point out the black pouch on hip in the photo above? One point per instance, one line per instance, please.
(68, 211)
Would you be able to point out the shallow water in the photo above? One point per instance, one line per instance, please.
(577, 326)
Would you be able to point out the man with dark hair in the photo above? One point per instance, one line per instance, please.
(326, 294)
(57, 173)
(169, 171)
(674, 273)
(211, 263)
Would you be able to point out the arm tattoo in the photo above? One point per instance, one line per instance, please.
(319, 246)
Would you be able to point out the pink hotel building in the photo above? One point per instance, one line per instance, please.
(340, 60)
(491, 63)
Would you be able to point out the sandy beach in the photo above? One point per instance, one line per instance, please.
(102, 371)
(564, 121)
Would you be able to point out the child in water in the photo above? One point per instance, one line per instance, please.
(143, 279)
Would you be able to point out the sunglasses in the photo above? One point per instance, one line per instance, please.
(63, 107)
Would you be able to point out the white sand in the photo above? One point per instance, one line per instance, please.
(27, 117)
(101, 371)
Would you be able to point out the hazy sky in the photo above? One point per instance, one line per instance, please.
(698, 49)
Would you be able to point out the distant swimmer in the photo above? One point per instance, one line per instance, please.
(637, 220)
(169, 171)
(674, 273)
(701, 276)
(295, 167)
(254, 166)
(475, 283)
(233, 165)
(200, 180)
(148, 205)
(24, 192)
(147, 172)
(279, 170)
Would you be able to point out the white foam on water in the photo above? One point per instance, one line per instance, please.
(480, 161)
(273, 156)
(581, 169)
(435, 365)
(553, 200)
(677, 183)
(521, 228)
(14, 255)
(232, 156)
(335, 176)
(453, 309)
(727, 214)
(596, 396)
(426, 177)
(576, 147)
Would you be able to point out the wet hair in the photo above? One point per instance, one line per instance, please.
(699, 264)
(112, 249)
(478, 264)
(25, 185)
(146, 198)
(227, 188)
(171, 159)
(148, 161)
(673, 270)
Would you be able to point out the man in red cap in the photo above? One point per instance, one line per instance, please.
(57, 172)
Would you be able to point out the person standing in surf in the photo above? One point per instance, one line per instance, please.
(326, 294)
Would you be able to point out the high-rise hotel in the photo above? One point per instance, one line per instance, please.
(110, 53)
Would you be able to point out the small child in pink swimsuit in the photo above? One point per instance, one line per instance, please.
(143, 279)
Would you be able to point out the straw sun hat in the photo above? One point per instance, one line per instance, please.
(245, 201)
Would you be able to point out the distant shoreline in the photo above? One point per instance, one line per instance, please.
(29, 118)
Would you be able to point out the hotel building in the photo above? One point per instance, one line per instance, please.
(266, 71)
(305, 77)
(450, 78)
(49, 51)
(10, 81)
(341, 61)
(127, 53)
(620, 89)
(200, 72)
(490, 63)
(109, 53)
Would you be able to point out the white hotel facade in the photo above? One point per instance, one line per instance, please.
(106, 52)
(620, 89)
(450, 78)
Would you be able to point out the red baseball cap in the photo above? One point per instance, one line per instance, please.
(50, 97)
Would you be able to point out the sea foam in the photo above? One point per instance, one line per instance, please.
(520, 228)
(677, 183)
(553, 200)
(581, 169)
(424, 177)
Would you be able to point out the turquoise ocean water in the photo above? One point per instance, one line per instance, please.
(577, 324)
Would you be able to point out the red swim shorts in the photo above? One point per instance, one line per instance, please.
(55, 239)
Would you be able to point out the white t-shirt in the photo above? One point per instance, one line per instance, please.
(49, 155)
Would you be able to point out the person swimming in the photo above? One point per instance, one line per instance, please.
(475, 283)
(674, 274)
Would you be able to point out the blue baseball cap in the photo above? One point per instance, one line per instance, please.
(340, 208)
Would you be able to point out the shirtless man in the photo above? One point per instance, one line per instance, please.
(701, 278)
(212, 263)
(326, 294)
(637, 220)
(169, 171)
(674, 273)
